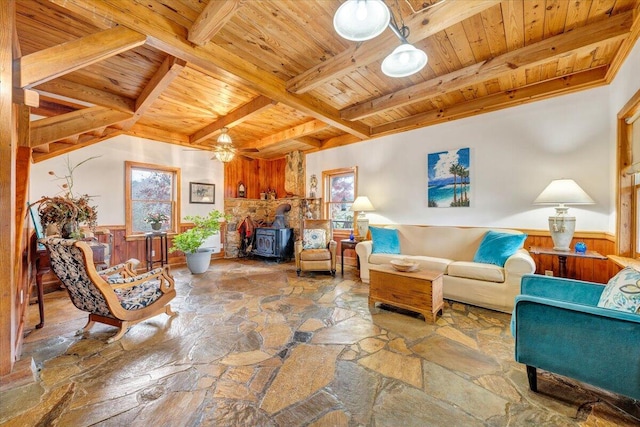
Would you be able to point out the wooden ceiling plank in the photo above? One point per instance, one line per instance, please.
(211, 58)
(55, 61)
(535, 92)
(423, 24)
(214, 16)
(85, 93)
(234, 118)
(155, 134)
(295, 132)
(55, 128)
(168, 71)
(309, 140)
(527, 57)
(512, 16)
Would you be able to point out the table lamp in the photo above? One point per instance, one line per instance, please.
(359, 206)
(562, 192)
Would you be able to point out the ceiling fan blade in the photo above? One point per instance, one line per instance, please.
(249, 150)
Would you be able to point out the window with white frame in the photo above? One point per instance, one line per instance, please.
(339, 189)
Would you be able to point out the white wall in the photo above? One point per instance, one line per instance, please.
(515, 153)
(104, 177)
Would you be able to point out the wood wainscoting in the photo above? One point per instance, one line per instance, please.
(591, 270)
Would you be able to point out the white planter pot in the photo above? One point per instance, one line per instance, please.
(198, 262)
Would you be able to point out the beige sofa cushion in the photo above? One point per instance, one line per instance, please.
(476, 270)
(424, 262)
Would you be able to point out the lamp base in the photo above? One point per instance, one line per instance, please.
(562, 229)
(363, 228)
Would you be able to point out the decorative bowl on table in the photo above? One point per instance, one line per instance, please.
(403, 265)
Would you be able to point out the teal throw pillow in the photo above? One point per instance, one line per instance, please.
(385, 240)
(496, 248)
(622, 291)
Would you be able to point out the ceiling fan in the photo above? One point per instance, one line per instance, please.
(225, 151)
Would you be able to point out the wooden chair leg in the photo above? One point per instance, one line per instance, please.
(168, 311)
(532, 377)
(86, 328)
(124, 328)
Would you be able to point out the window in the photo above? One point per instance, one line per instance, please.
(151, 189)
(339, 189)
(628, 224)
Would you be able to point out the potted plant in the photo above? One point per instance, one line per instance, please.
(190, 241)
(156, 219)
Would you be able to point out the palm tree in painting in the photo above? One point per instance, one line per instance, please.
(464, 178)
(454, 171)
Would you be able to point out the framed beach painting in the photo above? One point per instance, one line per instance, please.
(449, 179)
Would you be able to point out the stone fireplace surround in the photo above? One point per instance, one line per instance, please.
(264, 210)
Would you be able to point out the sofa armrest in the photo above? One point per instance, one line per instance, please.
(555, 288)
(363, 250)
(519, 264)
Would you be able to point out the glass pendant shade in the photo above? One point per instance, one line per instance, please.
(404, 61)
(225, 154)
(224, 137)
(360, 20)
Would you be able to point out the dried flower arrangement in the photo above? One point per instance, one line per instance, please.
(67, 211)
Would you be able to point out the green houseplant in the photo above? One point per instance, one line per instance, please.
(191, 240)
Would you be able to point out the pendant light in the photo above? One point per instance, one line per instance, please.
(359, 20)
(405, 60)
(225, 151)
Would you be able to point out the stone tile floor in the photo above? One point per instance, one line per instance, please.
(255, 345)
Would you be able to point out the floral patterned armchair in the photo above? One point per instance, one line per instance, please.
(115, 296)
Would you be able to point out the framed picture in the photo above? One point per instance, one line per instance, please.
(200, 192)
(449, 179)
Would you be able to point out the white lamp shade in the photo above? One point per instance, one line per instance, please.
(404, 61)
(362, 204)
(564, 192)
(225, 153)
(360, 20)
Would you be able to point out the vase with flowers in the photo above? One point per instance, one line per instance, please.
(67, 212)
(156, 219)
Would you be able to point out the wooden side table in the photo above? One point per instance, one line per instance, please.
(562, 256)
(347, 244)
(148, 245)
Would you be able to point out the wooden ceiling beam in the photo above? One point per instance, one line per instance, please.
(57, 149)
(27, 97)
(166, 73)
(155, 134)
(563, 85)
(295, 132)
(422, 25)
(234, 118)
(83, 93)
(582, 38)
(310, 141)
(64, 126)
(209, 58)
(64, 58)
(214, 16)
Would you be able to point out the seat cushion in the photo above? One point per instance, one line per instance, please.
(139, 296)
(315, 255)
(496, 247)
(476, 270)
(622, 291)
(424, 262)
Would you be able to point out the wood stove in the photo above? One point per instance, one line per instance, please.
(274, 243)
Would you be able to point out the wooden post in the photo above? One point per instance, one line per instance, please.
(8, 149)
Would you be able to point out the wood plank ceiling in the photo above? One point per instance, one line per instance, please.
(280, 78)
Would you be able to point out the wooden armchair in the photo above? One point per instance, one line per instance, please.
(115, 296)
(316, 251)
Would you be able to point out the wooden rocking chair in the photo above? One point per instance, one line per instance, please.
(115, 296)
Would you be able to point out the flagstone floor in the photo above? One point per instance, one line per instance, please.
(255, 345)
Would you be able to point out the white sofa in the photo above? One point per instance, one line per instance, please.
(451, 250)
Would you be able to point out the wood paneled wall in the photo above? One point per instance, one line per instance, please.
(591, 270)
(257, 175)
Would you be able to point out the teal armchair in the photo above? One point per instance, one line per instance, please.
(559, 328)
